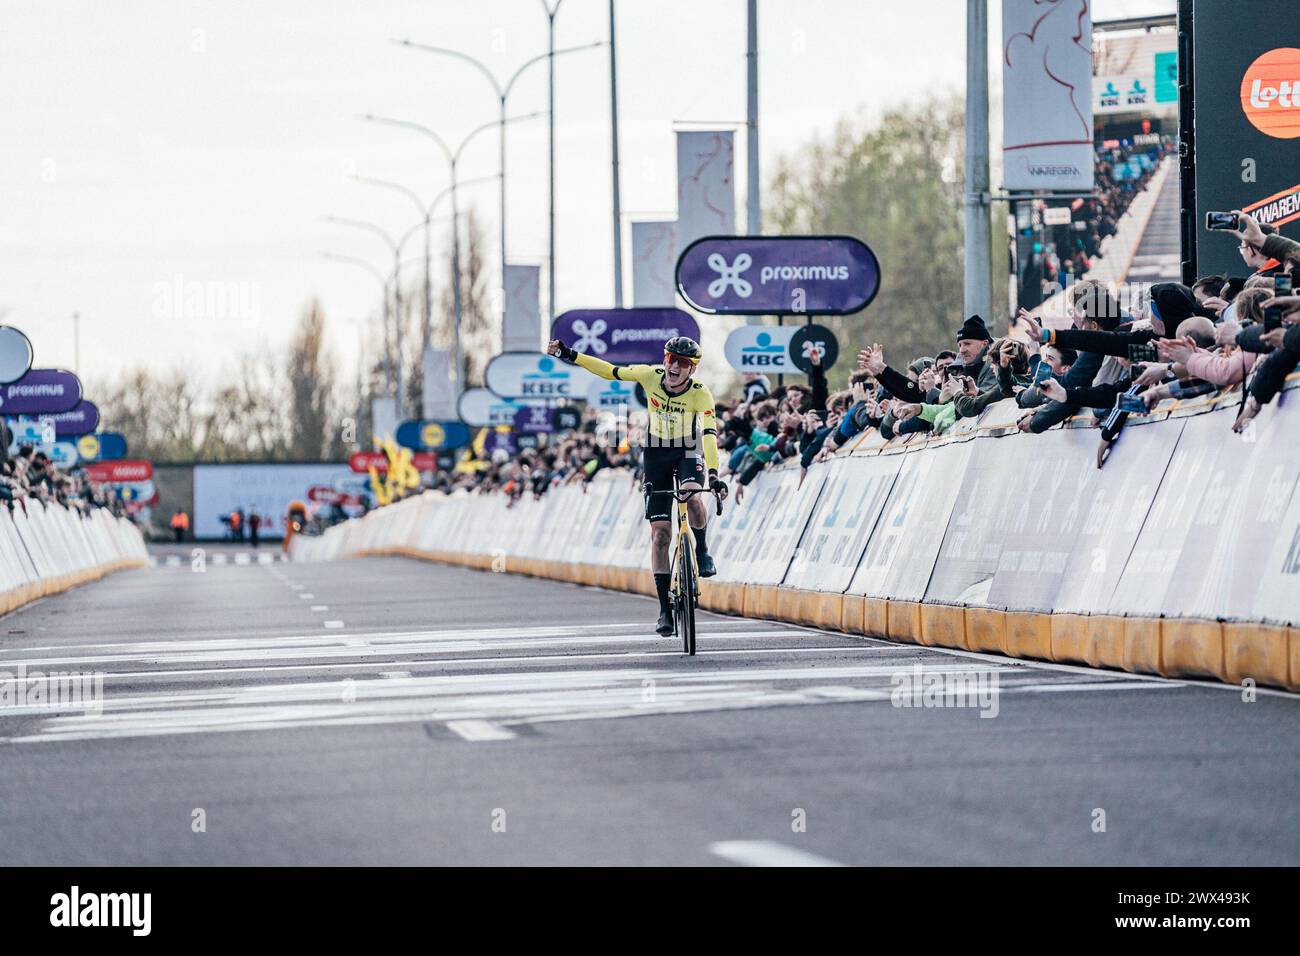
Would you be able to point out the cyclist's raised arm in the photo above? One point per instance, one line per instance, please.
(591, 363)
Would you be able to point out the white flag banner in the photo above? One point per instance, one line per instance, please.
(1047, 95)
(383, 418)
(706, 185)
(654, 262)
(522, 331)
(438, 398)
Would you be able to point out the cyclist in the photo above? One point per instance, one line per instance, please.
(682, 423)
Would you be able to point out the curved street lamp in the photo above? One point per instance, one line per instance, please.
(502, 92)
(453, 158)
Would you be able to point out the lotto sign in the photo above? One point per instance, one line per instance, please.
(778, 275)
(423, 436)
(1270, 93)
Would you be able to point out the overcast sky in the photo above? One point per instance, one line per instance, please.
(154, 143)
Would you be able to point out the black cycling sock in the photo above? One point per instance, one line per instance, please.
(700, 546)
(662, 585)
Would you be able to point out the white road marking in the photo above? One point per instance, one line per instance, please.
(767, 853)
(242, 558)
(307, 597)
(320, 607)
(333, 624)
(219, 559)
(479, 730)
(266, 559)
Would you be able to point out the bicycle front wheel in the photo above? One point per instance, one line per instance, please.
(686, 601)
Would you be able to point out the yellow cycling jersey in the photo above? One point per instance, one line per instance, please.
(675, 420)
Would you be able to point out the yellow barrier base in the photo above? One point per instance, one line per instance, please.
(1231, 652)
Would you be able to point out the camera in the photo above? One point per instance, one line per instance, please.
(1221, 221)
(1139, 353)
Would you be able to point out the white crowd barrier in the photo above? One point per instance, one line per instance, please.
(46, 548)
(1181, 556)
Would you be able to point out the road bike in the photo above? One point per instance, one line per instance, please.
(685, 585)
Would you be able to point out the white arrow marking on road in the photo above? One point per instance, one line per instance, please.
(479, 730)
(767, 853)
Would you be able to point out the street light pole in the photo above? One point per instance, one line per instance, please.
(383, 285)
(425, 212)
(978, 293)
(397, 291)
(502, 93)
(753, 200)
(453, 158)
(550, 106)
(613, 126)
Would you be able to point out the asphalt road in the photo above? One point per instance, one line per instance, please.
(388, 711)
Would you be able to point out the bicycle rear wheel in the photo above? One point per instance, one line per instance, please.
(686, 601)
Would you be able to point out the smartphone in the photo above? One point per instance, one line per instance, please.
(1273, 314)
(1139, 353)
(1221, 221)
(1132, 404)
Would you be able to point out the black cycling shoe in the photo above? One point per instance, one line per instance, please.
(707, 570)
(665, 626)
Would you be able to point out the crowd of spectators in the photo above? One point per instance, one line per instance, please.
(29, 474)
(1120, 173)
(1219, 333)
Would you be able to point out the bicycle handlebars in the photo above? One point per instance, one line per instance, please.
(684, 494)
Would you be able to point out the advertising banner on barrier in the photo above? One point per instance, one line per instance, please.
(654, 257)
(840, 525)
(979, 524)
(1201, 452)
(790, 510)
(706, 185)
(1237, 520)
(432, 436)
(623, 336)
(15, 354)
(41, 391)
(535, 375)
(477, 407)
(762, 349)
(1277, 575)
(778, 275)
(901, 552)
(522, 329)
(1046, 96)
(1066, 546)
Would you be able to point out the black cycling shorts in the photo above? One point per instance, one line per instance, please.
(661, 463)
